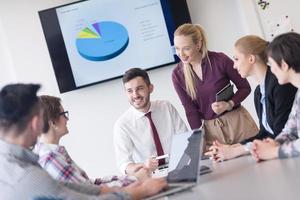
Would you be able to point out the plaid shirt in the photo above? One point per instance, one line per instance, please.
(289, 137)
(57, 162)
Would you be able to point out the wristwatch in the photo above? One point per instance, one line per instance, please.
(248, 146)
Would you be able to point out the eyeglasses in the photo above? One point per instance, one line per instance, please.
(65, 114)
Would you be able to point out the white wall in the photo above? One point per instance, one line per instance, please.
(94, 109)
(7, 74)
(225, 22)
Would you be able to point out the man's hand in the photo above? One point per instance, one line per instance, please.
(149, 187)
(106, 189)
(151, 164)
(132, 168)
(142, 174)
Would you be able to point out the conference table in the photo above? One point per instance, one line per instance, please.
(242, 178)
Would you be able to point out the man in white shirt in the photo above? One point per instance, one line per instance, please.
(134, 132)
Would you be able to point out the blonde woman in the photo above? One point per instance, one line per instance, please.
(273, 102)
(198, 78)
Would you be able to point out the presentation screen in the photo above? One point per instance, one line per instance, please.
(94, 41)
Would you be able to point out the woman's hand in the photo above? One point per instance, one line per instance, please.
(219, 152)
(220, 107)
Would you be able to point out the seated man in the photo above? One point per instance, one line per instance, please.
(144, 130)
(21, 177)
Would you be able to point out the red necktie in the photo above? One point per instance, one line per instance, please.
(157, 142)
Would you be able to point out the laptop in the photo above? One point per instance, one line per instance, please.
(184, 162)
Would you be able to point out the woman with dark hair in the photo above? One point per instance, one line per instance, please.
(284, 58)
(55, 159)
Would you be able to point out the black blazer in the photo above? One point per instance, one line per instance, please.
(279, 101)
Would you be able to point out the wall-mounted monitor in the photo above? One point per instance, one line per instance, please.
(98, 40)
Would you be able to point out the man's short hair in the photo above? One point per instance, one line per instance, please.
(286, 47)
(18, 104)
(136, 72)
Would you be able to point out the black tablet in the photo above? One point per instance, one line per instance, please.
(225, 94)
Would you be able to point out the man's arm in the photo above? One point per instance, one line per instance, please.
(132, 168)
(38, 183)
(149, 165)
(145, 189)
(123, 148)
(178, 123)
(138, 190)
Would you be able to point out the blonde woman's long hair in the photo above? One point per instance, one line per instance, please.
(196, 32)
(253, 45)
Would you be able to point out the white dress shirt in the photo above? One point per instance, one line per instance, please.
(133, 135)
(264, 110)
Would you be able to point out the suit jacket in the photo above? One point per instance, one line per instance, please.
(279, 100)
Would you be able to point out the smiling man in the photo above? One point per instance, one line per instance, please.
(145, 130)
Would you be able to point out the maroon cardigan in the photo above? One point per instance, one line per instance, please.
(215, 78)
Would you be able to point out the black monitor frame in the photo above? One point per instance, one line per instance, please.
(175, 13)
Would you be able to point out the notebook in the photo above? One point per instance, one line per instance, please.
(184, 162)
(225, 94)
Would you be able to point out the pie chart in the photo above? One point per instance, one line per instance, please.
(102, 41)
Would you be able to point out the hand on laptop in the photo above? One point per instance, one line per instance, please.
(151, 164)
(149, 187)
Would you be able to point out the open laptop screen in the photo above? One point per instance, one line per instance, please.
(185, 157)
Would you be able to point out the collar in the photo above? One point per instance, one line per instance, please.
(138, 114)
(49, 147)
(18, 152)
(262, 89)
(262, 85)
